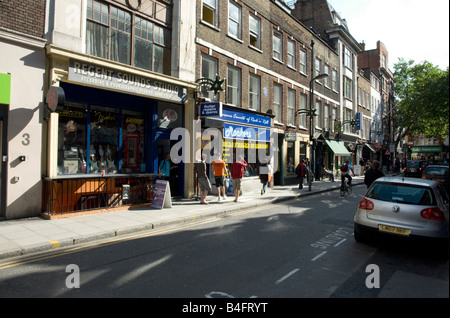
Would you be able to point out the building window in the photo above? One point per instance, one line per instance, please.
(255, 31)
(326, 80)
(277, 46)
(234, 86)
(291, 53)
(326, 117)
(334, 80)
(210, 12)
(277, 102)
(347, 117)
(255, 92)
(234, 20)
(303, 101)
(333, 118)
(209, 70)
(317, 67)
(318, 117)
(291, 107)
(109, 34)
(347, 57)
(347, 88)
(303, 58)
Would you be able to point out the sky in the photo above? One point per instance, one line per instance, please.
(410, 29)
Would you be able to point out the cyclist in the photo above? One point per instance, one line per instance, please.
(345, 173)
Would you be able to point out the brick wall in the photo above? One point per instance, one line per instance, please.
(25, 16)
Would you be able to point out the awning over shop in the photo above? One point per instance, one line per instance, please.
(371, 147)
(338, 148)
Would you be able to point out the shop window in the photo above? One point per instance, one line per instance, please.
(104, 131)
(72, 139)
(290, 157)
(133, 137)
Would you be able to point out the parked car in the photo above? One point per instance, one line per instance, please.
(405, 207)
(414, 168)
(437, 173)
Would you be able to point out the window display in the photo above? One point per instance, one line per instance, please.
(99, 151)
(104, 141)
(72, 140)
(133, 133)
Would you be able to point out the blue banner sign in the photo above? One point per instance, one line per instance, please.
(358, 121)
(245, 133)
(213, 109)
(245, 118)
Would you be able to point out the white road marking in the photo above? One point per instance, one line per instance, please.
(340, 242)
(287, 275)
(320, 255)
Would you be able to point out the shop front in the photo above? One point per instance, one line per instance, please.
(109, 134)
(246, 134)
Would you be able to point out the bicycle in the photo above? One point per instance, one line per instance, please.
(345, 188)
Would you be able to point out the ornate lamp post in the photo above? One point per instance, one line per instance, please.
(311, 112)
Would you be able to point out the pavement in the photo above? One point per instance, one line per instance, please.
(36, 234)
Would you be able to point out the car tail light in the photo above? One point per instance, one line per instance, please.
(432, 214)
(366, 204)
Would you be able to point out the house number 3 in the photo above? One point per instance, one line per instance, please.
(26, 139)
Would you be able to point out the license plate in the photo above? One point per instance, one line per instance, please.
(438, 180)
(393, 229)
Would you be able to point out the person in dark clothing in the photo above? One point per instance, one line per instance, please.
(300, 171)
(373, 173)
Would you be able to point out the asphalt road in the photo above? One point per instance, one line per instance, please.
(298, 249)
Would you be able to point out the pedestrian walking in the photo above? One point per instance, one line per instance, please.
(220, 172)
(373, 173)
(300, 171)
(265, 176)
(237, 173)
(202, 178)
(329, 173)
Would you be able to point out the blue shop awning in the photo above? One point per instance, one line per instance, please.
(338, 148)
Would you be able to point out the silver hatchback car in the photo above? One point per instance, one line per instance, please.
(406, 207)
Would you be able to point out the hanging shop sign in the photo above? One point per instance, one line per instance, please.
(213, 109)
(100, 76)
(55, 97)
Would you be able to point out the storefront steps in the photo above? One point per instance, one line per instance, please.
(37, 234)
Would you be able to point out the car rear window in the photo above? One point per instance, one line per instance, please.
(402, 193)
(413, 164)
(437, 171)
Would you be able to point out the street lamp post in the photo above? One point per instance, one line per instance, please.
(311, 112)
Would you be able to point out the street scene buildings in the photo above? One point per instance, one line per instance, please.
(91, 91)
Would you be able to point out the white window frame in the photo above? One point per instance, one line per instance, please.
(255, 33)
(214, 9)
(291, 53)
(291, 99)
(303, 105)
(255, 94)
(234, 88)
(235, 20)
(277, 47)
(278, 103)
(303, 62)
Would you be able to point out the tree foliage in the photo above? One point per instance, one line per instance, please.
(422, 99)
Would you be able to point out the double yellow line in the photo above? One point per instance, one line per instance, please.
(55, 244)
(85, 247)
